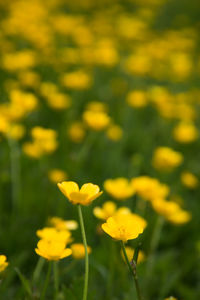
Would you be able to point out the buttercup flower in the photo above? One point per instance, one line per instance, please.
(185, 133)
(119, 188)
(78, 250)
(165, 159)
(88, 192)
(61, 224)
(96, 120)
(3, 263)
(124, 227)
(189, 180)
(52, 234)
(52, 250)
(57, 175)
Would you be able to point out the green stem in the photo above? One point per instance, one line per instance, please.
(56, 278)
(86, 253)
(132, 269)
(154, 244)
(15, 173)
(38, 269)
(46, 281)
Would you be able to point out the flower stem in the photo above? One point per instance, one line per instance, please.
(86, 252)
(56, 278)
(46, 281)
(132, 269)
(38, 269)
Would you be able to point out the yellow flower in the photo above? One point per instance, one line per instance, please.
(32, 149)
(119, 188)
(58, 101)
(3, 263)
(149, 188)
(137, 99)
(16, 131)
(114, 132)
(78, 250)
(189, 180)
(78, 80)
(76, 132)
(61, 224)
(97, 106)
(180, 217)
(185, 132)
(52, 250)
(88, 192)
(53, 234)
(165, 159)
(108, 209)
(124, 227)
(130, 253)
(57, 175)
(96, 120)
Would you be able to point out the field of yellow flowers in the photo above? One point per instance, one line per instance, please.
(99, 150)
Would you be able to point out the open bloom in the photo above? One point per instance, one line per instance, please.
(52, 250)
(52, 234)
(78, 250)
(3, 263)
(119, 188)
(88, 192)
(61, 224)
(124, 227)
(166, 159)
(130, 253)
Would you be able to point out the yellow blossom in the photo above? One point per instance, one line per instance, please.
(58, 101)
(96, 120)
(16, 131)
(149, 188)
(137, 98)
(180, 217)
(124, 227)
(52, 250)
(185, 133)
(97, 106)
(114, 132)
(78, 80)
(78, 250)
(3, 263)
(61, 224)
(76, 132)
(108, 209)
(53, 234)
(57, 175)
(119, 188)
(165, 159)
(88, 192)
(189, 180)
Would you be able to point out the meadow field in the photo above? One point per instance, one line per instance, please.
(99, 150)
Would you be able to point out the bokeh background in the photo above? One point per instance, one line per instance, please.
(89, 90)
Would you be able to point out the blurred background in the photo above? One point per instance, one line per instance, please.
(93, 90)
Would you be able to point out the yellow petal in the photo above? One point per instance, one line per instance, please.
(68, 187)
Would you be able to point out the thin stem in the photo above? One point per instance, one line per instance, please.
(15, 173)
(38, 269)
(154, 244)
(46, 281)
(132, 269)
(56, 278)
(86, 253)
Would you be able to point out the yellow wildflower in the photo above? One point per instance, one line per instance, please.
(88, 192)
(124, 227)
(78, 80)
(97, 106)
(185, 132)
(119, 188)
(149, 188)
(16, 131)
(52, 250)
(165, 159)
(114, 132)
(96, 120)
(78, 250)
(108, 209)
(61, 224)
(137, 98)
(57, 175)
(76, 132)
(189, 180)
(3, 263)
(53, 234)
